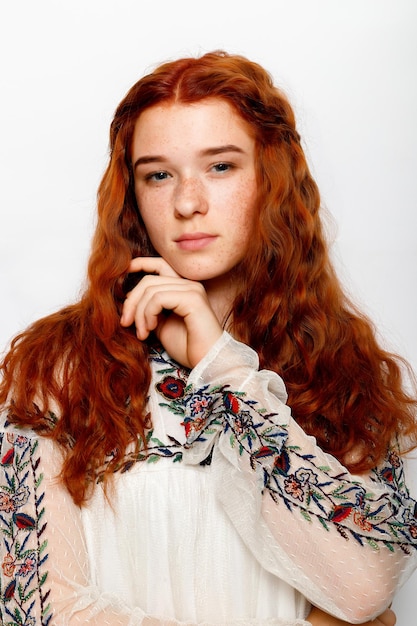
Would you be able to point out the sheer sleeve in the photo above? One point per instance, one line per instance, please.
(45, 575)
(346, 542)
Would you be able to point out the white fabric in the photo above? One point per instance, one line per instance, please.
(182, 542)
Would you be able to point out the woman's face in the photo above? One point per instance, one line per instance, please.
(195, 185)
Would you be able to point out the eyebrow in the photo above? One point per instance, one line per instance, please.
(206, 152)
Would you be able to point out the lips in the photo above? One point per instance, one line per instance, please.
(194, 241)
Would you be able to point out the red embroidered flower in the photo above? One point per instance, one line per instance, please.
(171, 387)
(413, 532)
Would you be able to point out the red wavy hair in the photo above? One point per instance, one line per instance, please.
(81, 365)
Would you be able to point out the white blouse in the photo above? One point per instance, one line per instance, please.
(230, 499)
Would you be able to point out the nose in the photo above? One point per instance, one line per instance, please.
(189, 198)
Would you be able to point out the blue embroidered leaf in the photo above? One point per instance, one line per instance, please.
(357, 537)
(11, 481)
(22, 547)
(42, 561)
(326, 484)
(375, 513)
(8, 525)
(166, 452)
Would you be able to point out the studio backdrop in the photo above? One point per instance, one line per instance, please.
(348, 67)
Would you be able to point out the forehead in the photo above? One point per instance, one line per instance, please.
(212, 120)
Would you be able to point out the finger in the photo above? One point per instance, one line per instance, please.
(155, 311)
(152, 265)
(137, 298)
(182, 297)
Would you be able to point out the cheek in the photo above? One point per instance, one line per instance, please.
(245, 208)
(152, 215)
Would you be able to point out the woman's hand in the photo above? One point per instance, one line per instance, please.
(319, 618)
(178, 310)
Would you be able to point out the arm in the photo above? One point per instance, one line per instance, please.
(346, 542)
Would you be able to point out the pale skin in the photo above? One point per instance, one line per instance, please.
(195, 185)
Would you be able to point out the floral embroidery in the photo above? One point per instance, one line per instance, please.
(296, 479)
(293, 487)
(291, 477)
(23, 580)
(171, 387)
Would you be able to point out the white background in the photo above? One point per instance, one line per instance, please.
(349, 68)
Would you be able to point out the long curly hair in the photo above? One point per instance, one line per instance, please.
(79, 377)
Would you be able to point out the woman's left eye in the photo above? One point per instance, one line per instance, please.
(222, 167)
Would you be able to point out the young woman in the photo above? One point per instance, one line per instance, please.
(154, 469)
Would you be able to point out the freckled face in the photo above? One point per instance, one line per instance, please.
(195, 185)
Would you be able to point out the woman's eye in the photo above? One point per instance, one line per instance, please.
(222, 167)
(157, 176)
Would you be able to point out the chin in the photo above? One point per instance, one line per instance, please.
(193, 273)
